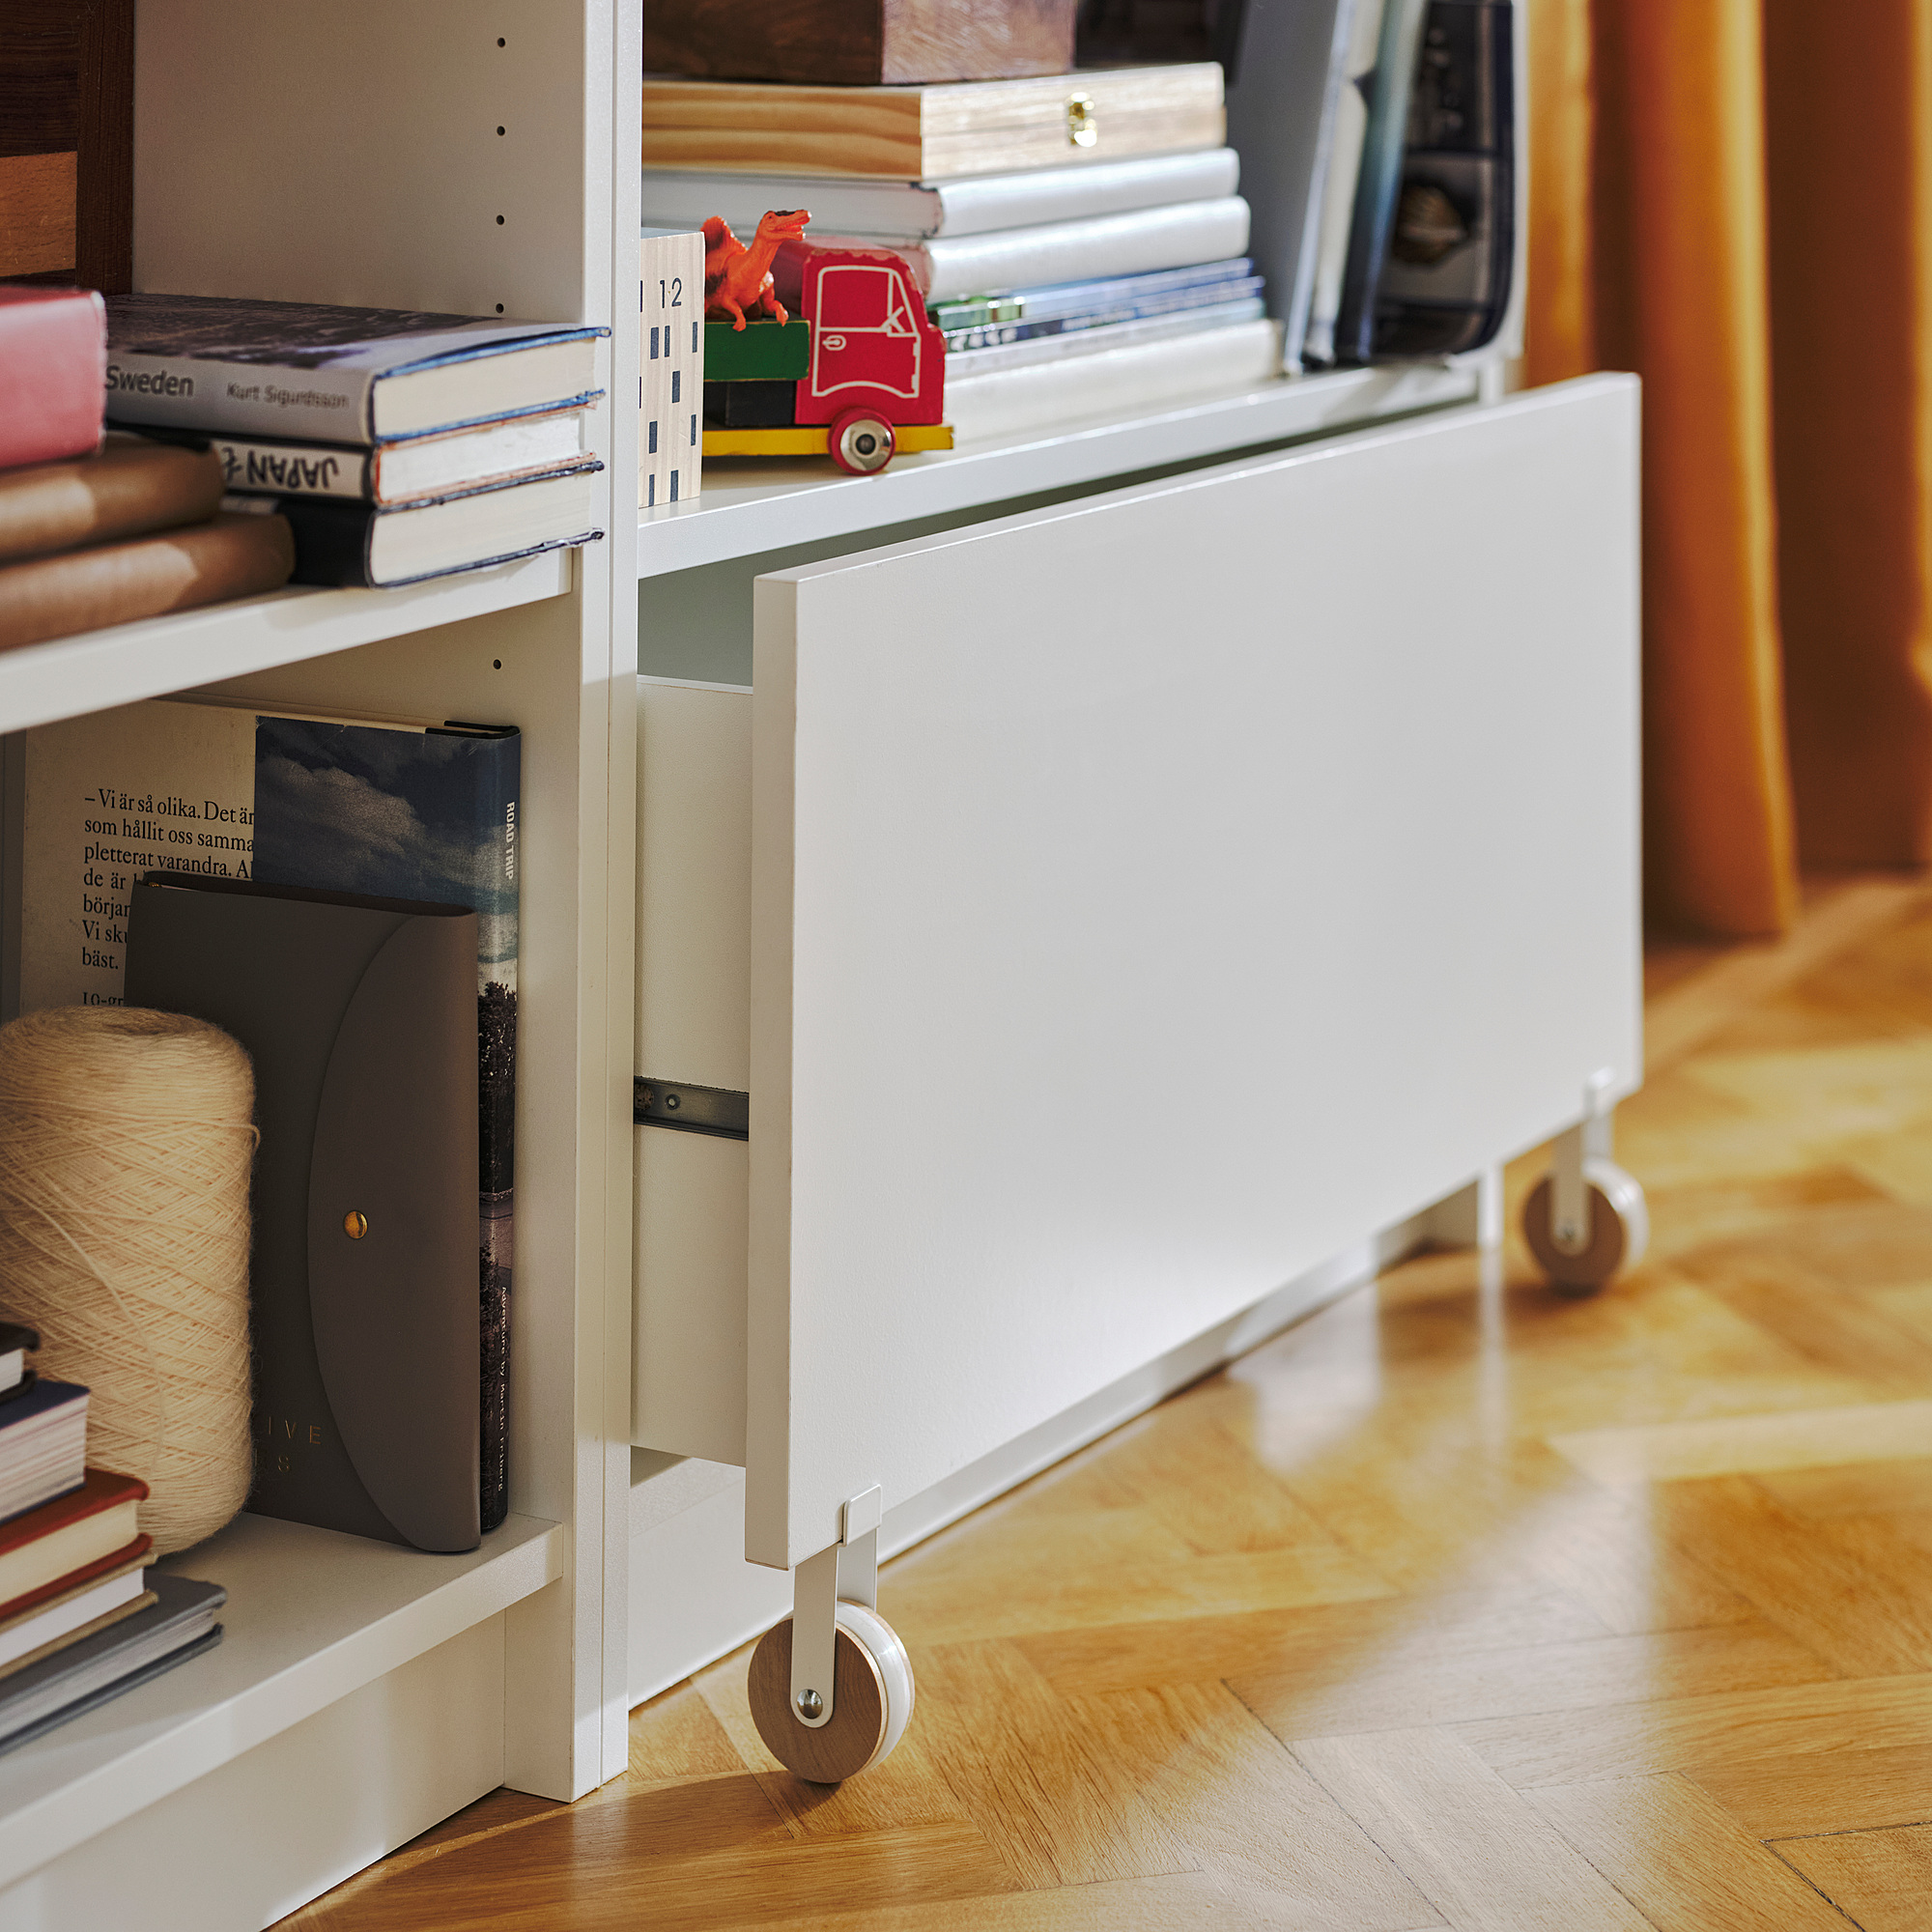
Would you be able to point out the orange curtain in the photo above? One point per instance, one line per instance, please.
(1728, 197)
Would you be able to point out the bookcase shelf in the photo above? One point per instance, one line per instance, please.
(311, 1617)
(73, 675)
(748, 507)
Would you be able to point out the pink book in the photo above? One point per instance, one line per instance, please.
(53, 373)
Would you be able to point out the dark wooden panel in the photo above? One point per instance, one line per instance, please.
(104, 238)
(67, 85)
(40, 76)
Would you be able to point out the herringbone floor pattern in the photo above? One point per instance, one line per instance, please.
(1456, 1606)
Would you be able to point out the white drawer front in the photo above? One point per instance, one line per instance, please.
(1154, 895)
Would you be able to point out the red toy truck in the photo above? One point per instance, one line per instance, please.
(858, 371)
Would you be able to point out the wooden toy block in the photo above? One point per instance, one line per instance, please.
(671, 292)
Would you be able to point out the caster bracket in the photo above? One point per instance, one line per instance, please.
(844, 1571)
(1569, 1192)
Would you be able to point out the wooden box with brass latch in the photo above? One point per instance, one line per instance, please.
(933, 132)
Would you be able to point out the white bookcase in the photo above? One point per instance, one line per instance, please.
(446, 157)
(449, 155)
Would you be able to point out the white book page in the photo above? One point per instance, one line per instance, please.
(109, 797)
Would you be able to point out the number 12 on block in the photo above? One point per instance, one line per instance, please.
(671, 385)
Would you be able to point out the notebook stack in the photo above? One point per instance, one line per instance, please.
(1079, 239)
(96, 532)
(82, 1617)
(397, 446)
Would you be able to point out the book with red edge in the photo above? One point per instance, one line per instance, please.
(128, 1555)
(53, 373)
(72, 1614)
(50, 1544)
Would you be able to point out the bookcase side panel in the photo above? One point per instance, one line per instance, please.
(612, 193)
(348, 151)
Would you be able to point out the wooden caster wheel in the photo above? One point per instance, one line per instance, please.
(861, 441)
(1619, 1229)
(872, 1699)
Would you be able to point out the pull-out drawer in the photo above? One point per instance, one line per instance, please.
(1114, 911)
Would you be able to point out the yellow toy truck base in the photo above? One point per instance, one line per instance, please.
(790, 441)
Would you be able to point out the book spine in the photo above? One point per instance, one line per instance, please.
(120, 583)
(293, 470)
(1174, 236)
(498, 766)
(249, 398)
(331, 541)
(670, 383)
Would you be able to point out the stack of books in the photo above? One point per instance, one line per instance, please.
(82, 1616)
(398, 445)
(1079, 240)
(96, 532)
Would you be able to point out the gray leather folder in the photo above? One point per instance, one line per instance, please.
(361, 1016)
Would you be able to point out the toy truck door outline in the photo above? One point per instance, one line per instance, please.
(866, 331)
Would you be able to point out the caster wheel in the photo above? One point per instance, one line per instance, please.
(861, 441)
(1619, 1229)
(871, 1698)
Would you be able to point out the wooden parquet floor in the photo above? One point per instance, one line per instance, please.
(1457, 1604)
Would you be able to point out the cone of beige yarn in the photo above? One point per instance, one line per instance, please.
(126, 1145)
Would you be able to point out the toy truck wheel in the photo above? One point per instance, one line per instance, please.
(1619, 1230)
(871, 1702)
(861, 441)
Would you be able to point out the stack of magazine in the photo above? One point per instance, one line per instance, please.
(398, 444)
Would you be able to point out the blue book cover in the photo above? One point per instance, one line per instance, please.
(422, 814)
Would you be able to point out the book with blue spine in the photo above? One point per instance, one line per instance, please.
(423, 811)
(320, 373)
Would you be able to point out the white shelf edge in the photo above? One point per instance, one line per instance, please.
(39, 683)
(743, 512)
(311, 1617)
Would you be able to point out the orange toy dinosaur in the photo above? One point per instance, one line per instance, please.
(738, 279)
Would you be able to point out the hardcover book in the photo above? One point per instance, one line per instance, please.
(74, 1614)
(1286, 77)
(395, 472)
(377, 546)
(51, 1544)
(130, 1555)
(1137, 243)
(1149, 294)
(79, 1677)
(16, 1342)
(53, 359)
(362, 1315)
(403, 811)
(1378, 181)
(76, 590)
(914, 211)
(334, 375)
(42, 1445)
(128, 488)
(930, 133)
